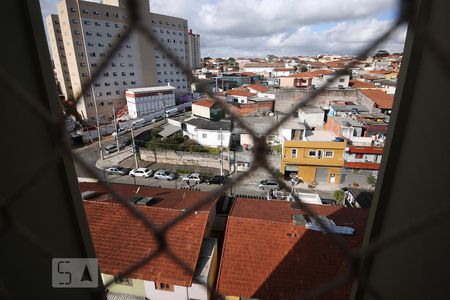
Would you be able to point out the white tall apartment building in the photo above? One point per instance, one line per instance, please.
(83, 32)
(193, 48)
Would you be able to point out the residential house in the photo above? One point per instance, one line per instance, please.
(311, 117)
(273, 250)
(302, 80)
(376, 101)
(345, 109)
(359, 163)
(208, 133)
(262, 68)
(292, 130)
(362, 85)
(359, 198)
(207, 109)
(341, 82)
(120, 240)
(344, 126)
(319, 157)
(279, 72)
(239, 95)
(387, 86)
(260, 90)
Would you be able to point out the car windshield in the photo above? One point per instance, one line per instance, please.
(146, 170)
(167, 173)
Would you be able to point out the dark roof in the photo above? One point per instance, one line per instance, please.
(363, 197)
(121, 240)
(210, 125)
(267, 256)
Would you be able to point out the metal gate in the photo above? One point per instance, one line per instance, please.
(322, 174)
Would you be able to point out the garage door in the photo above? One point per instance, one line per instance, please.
(322, 174)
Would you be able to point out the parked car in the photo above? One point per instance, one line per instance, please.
(216, 179)
(121, 131)
(163, 174)
(194, 177)
(117, 170)
(158, 118)
(268, 185)
(113, 148)
(141, 172)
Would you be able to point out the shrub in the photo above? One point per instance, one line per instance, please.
(371, 180)
(339, 196)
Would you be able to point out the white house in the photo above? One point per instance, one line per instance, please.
(340, 82)
(260, 90)
(208, 133)
(278, 72)
(239, 96)
(311, 117)
(144, 101)
(262, 68)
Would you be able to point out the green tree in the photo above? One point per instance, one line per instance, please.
(301, 68)
(371, 180)
(339, 196)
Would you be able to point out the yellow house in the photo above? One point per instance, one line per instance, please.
(319, 161)
(391, 76)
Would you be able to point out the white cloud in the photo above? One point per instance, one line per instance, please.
(282, 27)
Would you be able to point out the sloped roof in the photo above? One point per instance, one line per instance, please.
(240, 92)
(266, 256)
(357, 84)
(311, 74)
(121, 240)
(257, 87)
(380, 98)
(205, 103)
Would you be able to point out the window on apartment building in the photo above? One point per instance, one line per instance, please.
(168, 40)
(154, 30)
(125, 83)
(160, 22)
(108, 94)
(130, 56)
(119, 35)
(165, 72)
(171, 80)
(84, 11)
(99, 34)
(329, 154)
(158, 65)
(88, 33)
(92, 54)
(90, 44)
(130, 65)
(99, 94)
(114, 74)
(72, 9)
(101, 45)
(167, 31)
(204, 135)
(57, 22)
(131, 73)
(128, 46)
(102, 54)
(116, 83)
(178, 80)
(294, 153)
(166, 80)
(109, 35)
(164, 65)
(87, 22)
(58, 30)
(159, 81)
(84, 74)
(98, 24)
(117, 92)
(107, 84)
(106, 74)
(312, 153)
(124, 74)
(117, 25)
(93, 65)
(122, 64)
(95, 13)
(133, 82)
(107, 13)
(76, 32)
(116, 15)
(159, 73)
(184, 86)
(107, 24)
(97, 84)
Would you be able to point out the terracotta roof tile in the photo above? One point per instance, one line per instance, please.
(362, 165)
(241, 92)
(257, 87)
(250, 74)
(266, 256)
(121, 240)
(205, 103)
(357, 84)
(311, 74)
(380, 98)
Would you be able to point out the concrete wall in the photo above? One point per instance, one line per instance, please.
(179, 292)
(200, 111)
(136, 288)
(185, 158)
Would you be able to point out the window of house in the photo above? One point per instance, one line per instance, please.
(341, 80)
(312, 153)
(329, 154)
(204, 135)
(294, 153)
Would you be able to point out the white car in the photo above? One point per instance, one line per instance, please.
(121, 131)
(163, 174)
(194, 177)
(141, 172)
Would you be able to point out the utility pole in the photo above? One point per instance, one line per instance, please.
(134, 147)
(117, 130)
(221, 153)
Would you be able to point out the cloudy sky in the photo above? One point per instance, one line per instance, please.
(255, 28)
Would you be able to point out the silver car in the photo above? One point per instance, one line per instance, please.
(268, 185)
(163, 174)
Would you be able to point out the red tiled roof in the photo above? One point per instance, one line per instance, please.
(263, 65)
(266, 256)
(168, 198)
(362, 165)
(243, 93)
(357, 84)
(257, 87)
(121, 240)
(205, 103)
(310, 74)
(366, 149)
(380, 98)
